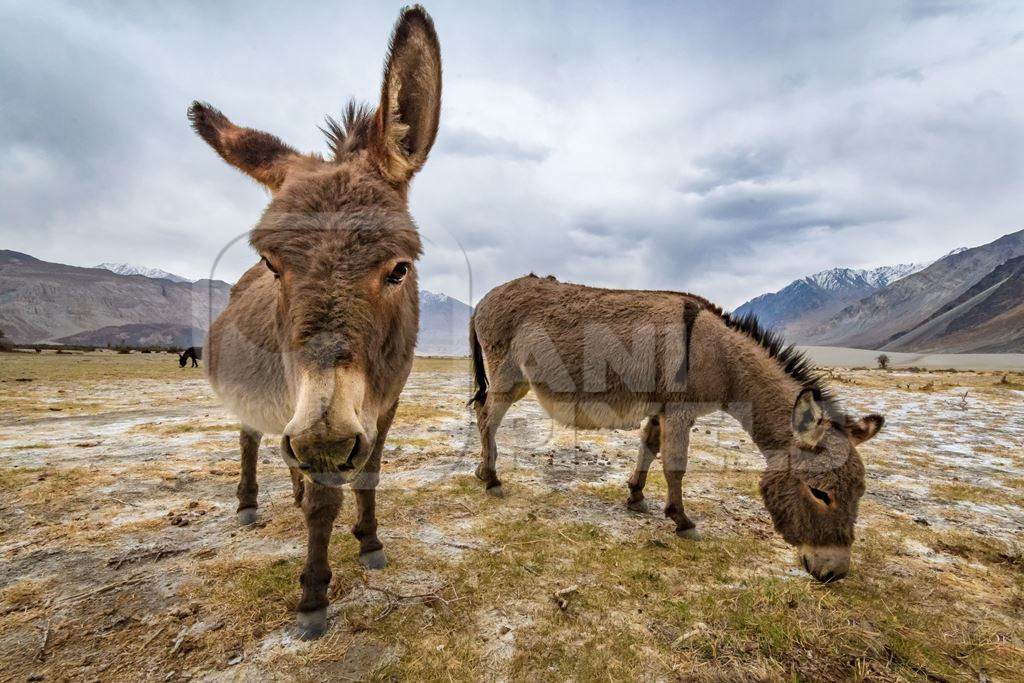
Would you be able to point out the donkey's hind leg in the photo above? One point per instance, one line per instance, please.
(489, 415)
(488, 419)
(650, 444)
(247, 486)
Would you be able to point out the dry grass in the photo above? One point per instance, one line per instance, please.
(414, 413)
(956, 491)
(122, 548)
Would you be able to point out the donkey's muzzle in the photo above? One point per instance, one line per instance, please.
(324, 461)
(825, 563)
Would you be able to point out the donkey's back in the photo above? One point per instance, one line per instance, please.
(594, 357)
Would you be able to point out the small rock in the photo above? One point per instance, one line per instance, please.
(237, 659)
(503, 629)
(922, 521)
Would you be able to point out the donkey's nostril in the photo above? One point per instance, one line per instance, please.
(304, 465)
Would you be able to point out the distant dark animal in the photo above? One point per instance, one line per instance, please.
(317, 340)
(193, 352)
(604, 358)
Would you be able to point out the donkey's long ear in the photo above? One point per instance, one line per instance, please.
(809, 423)
(865, 428)
(260, 155)
(410, 100)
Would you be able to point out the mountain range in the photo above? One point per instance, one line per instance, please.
(123, 305)
(128, 269)
(971, 300)
(814, 298)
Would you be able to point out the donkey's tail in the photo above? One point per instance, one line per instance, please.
(479, 372)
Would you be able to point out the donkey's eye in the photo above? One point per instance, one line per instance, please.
(823, 496)
(398, 273)
(271, 267)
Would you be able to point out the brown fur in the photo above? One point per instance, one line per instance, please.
(317, 340)
(612, 358)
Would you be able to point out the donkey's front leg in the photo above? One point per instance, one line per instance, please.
(247, 486)
(650, 444)
(320, 505)
(371, 550)
(675, 444)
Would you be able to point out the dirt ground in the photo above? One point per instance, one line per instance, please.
(120, 557)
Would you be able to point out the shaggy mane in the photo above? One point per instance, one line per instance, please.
(796, 363)
(352, 133)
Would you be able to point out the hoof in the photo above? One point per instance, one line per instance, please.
(480, 474)
(637, 505)
(374, 560)
(246, 516)
(496, 491)
(689, 534)
(310, 625)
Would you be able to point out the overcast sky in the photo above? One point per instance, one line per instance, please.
(722, 148)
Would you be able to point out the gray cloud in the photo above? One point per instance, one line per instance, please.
(727, 166)
(472, 143)
(724, 148)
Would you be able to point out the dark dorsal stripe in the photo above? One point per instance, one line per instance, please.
(690, 310)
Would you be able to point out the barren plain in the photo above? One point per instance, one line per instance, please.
(120, 557)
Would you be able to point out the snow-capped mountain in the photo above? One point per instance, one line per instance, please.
(886, 275)
(128, 269)
(969, 301)
(815, 297)
(839, 278)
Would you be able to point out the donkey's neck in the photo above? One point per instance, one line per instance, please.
(761, 397)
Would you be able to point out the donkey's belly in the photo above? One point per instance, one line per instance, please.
(594, 411)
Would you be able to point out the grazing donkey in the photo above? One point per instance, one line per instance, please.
(674, 357)
(317, 339)
(193, 353)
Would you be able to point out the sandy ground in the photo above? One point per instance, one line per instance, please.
(120, 558)
(839, 357)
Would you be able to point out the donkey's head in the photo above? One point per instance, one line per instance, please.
(812, 490)
(182, 361)
(339, 247)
